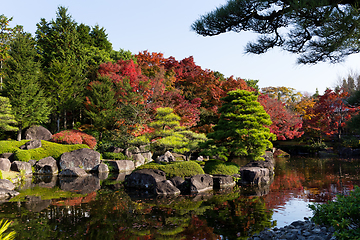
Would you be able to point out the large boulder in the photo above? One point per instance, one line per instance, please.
(47, 166)
(32, 144)
(146, 153)
(73, 172)
(258, 172)
(145, 179)
(223, 181)
(5, 164)
(201, 183)
(255, 175)
(167, 157)
(129, 152)
(9, 156)
(120, 165)
(38, 132)
(84, 158)
(181, 184)
(19, 166)
(166, 188)
(6, 184)
(138, 159)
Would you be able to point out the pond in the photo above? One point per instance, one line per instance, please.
(104, 210)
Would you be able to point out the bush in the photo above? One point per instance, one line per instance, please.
(114, 156)
(11, 146)
(343, 215)
(220, 167)
(47, 149)
(180, 169)
(74, 137)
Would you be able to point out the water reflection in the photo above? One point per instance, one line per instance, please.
(105, 210)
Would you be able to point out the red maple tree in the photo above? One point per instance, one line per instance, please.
(285, 124)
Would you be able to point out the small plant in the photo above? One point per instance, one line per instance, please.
(1, 176)
(4, 226)
(342, 214)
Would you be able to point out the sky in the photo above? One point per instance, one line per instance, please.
(164, 26)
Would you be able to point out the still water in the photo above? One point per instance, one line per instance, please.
(104, 210)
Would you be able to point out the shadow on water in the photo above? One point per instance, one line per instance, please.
(95, 208)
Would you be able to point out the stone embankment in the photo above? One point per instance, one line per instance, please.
(302, 230)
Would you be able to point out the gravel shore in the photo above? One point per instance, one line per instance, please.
(302, 230)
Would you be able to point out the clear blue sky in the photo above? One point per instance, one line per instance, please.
(164, 26)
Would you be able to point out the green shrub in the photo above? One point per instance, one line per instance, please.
(47, 149)
(220, 167)
(181, 169)
(114, 156)
(11, 146)
(342, 214)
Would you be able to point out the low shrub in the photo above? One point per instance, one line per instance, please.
(220, 167)
(342, 214)
(181, 169)
(47, 149)
(11, 145)
(74, 137)
(114, 156)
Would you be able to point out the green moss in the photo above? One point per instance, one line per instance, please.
(47, 149)
(181, 169)
(219, 167)
(114, 156)
(44, 194)
(11, 146)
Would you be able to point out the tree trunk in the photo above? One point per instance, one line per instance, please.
(19, 134)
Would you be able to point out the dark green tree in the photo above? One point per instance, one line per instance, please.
(242, 129)
(319, 31)
(168, 135)
(63, 59)
(7, 119)
(101, 105)
(22, 72)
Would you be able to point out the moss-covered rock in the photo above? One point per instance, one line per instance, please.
(48, 149)
(220, 167)
(180, 169)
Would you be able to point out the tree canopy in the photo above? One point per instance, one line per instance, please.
(319, 31)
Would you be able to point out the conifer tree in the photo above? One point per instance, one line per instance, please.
(6, 117)
(242, 130)
(168, 135)
(22, 87)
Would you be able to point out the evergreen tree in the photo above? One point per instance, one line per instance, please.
(101, 105)
(242, 129)
(6, 117)
(326, 30)
(22, 71)
(168, 135)
(63, 58)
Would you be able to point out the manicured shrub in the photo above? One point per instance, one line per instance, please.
(219, 167)
(342, 214)
(181, 169)
(74, 137)
(114, 156)
(48, 149)
(11, 146)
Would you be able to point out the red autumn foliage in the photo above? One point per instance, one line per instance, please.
(74, 137)
(132, 86)
(330, 113)
(285, 124)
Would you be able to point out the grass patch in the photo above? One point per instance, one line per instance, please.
(9, 174)
(180, 169)
(47, 149)
(220, 167)
(44, 194)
